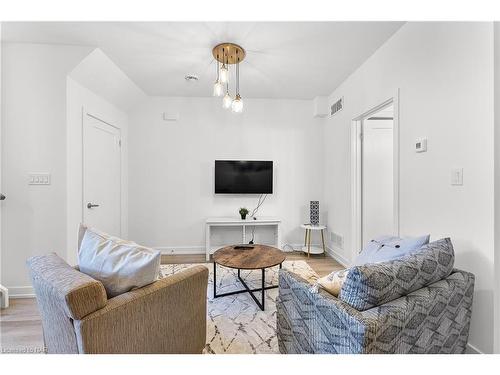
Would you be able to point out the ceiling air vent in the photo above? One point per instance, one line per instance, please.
(337, 106)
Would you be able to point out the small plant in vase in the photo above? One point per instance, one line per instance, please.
(243, 213)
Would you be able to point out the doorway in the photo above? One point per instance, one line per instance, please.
(101, 175)
(377, 185)
(375, 174)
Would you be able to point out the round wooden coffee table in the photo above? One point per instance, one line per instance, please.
(248, 257)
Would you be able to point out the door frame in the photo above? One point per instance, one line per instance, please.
(83, 205)
(356, 170)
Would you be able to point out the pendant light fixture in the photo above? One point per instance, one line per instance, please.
(228, 54)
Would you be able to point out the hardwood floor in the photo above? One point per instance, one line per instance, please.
(20, 325)
(322, 265)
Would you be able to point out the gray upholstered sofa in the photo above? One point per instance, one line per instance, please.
(167, 316)
(416, 304)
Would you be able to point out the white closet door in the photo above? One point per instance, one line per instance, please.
(101, 175)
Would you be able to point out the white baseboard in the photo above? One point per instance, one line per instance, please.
(296, 246)
(21, 292)
(193, 250)
(471, 349)
(181, 250)
(334, 253)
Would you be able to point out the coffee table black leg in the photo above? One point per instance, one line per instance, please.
(247, 289)
(215, 279)
(263, 287)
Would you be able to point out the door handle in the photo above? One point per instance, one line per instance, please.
(90, 205)
(2, 197)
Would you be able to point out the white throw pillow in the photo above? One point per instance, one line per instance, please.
(119, 264)
(387, 248)
(381, 249)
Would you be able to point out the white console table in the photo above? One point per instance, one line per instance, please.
(237, 222)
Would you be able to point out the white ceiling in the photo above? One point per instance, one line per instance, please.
(284, 59)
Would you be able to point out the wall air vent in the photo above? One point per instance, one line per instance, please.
(337, 106)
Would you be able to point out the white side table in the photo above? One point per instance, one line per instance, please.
(307, 240)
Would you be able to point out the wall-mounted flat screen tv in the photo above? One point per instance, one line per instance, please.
(243, 177)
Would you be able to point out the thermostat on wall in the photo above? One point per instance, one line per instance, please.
(421, 145)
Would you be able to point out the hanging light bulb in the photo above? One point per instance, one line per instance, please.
(224, 74)
(224, 71)
(218, 90)
(237, 104)
(227, 101)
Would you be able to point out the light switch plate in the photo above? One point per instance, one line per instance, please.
(457, 176)
(39, 179)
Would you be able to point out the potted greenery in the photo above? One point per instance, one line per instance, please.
(243, 213)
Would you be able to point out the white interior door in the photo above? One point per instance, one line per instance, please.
(101, 175)
(377, 177)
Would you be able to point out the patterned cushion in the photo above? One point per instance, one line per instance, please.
(375, 284)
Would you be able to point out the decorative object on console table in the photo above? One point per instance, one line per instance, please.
(243, 213)
(314, 212)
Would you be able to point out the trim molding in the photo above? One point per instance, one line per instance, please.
(334, 253)
(21, 292)
(181, 250)
(193, 250)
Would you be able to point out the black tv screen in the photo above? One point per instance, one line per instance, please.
(243, 177)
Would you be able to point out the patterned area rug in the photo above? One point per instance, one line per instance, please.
(235, 324)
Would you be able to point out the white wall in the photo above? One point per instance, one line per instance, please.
(42, 133)
(99, 74)
(171, 166)
(1, 186)
(99, 87)
(81, 99)
(497, 182)
(33, 141)
(445, 75)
